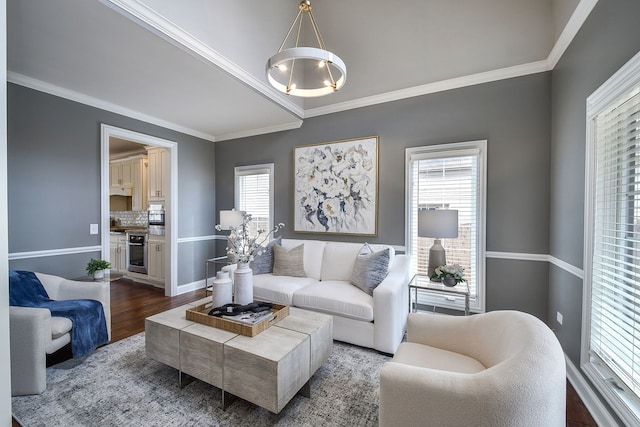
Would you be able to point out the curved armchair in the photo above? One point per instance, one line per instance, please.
(502, 368)
(35, 333)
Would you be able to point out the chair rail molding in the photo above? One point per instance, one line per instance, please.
(54, 252)
(538, 257)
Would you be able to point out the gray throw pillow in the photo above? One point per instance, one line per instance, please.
(288, 263)
(370, 268)
(263, 264)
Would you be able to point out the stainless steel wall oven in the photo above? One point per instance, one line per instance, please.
(137, 252)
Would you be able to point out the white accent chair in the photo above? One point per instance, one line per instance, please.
(35, 333)
(502, 368)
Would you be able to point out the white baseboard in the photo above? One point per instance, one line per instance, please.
(590, 398)
(188, 287)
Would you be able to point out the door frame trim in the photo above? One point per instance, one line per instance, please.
(171, 205)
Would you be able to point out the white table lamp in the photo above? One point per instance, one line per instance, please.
(437, 224)
(231, 219)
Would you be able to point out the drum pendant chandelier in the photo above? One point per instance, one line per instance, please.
(306, 71)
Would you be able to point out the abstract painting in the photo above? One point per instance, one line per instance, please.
(336, 187)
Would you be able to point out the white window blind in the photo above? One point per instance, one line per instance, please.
(254, 194)
(610, 353)
(615, 267)
(450, 178)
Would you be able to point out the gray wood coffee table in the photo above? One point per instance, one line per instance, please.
(267, 370)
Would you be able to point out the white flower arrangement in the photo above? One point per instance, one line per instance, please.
(450, 270)
(241, 246)
(335, 187)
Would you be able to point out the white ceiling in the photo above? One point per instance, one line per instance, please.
(119, 148)
(197, 66)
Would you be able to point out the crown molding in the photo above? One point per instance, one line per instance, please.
(578, 17)
(574, 24)
(147, 17)
(158, 24)
(52, 89)
(260, 131)
(455, 83)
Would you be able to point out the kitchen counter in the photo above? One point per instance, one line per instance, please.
(128, 229)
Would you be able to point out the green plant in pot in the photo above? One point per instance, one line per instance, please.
(96, 268)
(450, 275)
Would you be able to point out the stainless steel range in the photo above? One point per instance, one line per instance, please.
(137, 252)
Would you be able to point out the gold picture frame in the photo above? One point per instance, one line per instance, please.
(336, 187)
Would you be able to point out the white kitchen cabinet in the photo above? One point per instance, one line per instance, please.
(158, 169)
(120, 174)
(118, 253)
(139, 178)
(155, 264)
(131, 174)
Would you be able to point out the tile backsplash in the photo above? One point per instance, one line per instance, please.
(130, 218)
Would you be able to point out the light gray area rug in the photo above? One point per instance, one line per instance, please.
(118, 385)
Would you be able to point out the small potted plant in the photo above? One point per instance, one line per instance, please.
(96, 268)
(450, 274)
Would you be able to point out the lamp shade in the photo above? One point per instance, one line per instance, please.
(231, 219)
(438, 223)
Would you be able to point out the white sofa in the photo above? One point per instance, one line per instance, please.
(502, 368)
(35, 333)
(376, 321)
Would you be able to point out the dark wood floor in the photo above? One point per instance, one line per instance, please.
(132, 302)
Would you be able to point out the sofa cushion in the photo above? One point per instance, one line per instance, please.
(338, 260)
(263, 263)
(60, 326)
(278, 289)
(56, 344)
(313, 252)
(370, 268)
(425, 356)
(335, 297)
(288, 262)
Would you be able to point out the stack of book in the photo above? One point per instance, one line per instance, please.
(251, 318)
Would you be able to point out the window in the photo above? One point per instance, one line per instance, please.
(254, 194)
(450, 176)
(611, 334)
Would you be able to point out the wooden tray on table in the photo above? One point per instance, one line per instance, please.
(199, 314)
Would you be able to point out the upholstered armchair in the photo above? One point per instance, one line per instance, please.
(35, 333)
(502, 368)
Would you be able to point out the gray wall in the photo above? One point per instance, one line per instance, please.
(607, 40)
(54, 182)
(512, 115)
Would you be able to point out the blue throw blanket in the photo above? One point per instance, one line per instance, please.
(89, 323)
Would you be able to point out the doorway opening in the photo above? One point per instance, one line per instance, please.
(116, 140)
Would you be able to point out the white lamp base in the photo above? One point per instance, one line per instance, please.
(437, 258)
